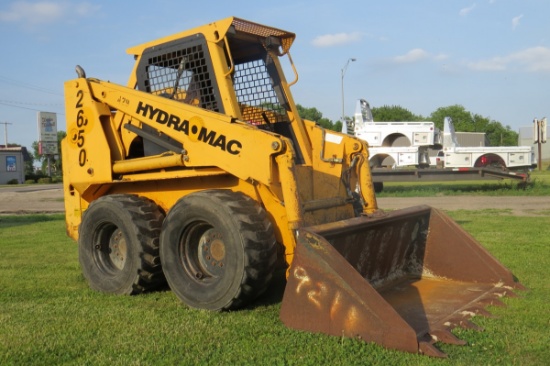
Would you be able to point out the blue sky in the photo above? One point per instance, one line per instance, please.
(491, 56)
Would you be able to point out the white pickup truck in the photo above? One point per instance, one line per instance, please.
(406, 143)
(504, 157)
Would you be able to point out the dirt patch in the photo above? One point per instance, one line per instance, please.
(28, 200)
(517, 206)
(49, 199)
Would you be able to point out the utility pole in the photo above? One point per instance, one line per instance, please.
(5, 132)
(539, 132)
(342, 74)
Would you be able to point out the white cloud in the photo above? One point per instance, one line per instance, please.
(329, 40)
(515, 21)
(535, 59)
(44, 12)
(465, 11)
(493, 64)
(414, 55)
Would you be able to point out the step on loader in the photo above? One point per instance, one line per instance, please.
(201, 174)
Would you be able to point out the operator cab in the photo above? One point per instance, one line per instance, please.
(182, 70)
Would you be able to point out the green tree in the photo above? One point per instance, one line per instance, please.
(29, 160)
(55, 161)
(500, 135)
(313, 114)
(465, 121)
(462, 119)
(394, 113)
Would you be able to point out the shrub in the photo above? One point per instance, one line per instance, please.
(44, 180)
(34, 176)
(13, 181)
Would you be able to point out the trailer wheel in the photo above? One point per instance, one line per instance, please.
(217, 250)
(378, 187)
(118, 245)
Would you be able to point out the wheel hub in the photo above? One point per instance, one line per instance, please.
(217, 249)
(118, 249)
(211, 253)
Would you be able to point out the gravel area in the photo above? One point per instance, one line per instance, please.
(49, 199)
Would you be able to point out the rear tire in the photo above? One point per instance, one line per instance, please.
(118, 245)
(217, 250)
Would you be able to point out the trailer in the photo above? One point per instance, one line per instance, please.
(381, 175)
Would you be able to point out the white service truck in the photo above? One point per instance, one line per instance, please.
(398, 144)
(501, 157)
(405, 145)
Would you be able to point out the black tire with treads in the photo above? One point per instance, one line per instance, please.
(217, 249)
(119, 244)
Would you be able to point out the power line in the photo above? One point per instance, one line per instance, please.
(7, 102)
(27, 105)
(28, 86)
(14, 104)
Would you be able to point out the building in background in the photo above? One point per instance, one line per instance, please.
(472, 139)
(12, 164)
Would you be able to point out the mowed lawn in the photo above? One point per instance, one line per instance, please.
(49, 316)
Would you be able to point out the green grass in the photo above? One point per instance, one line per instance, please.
(539, 185)
(49, 316)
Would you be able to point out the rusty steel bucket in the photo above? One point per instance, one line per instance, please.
(402, 280)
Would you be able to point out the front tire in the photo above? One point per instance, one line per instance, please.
(217, 250)
(119, 245)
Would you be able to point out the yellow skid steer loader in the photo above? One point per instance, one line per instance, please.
(200, 173)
